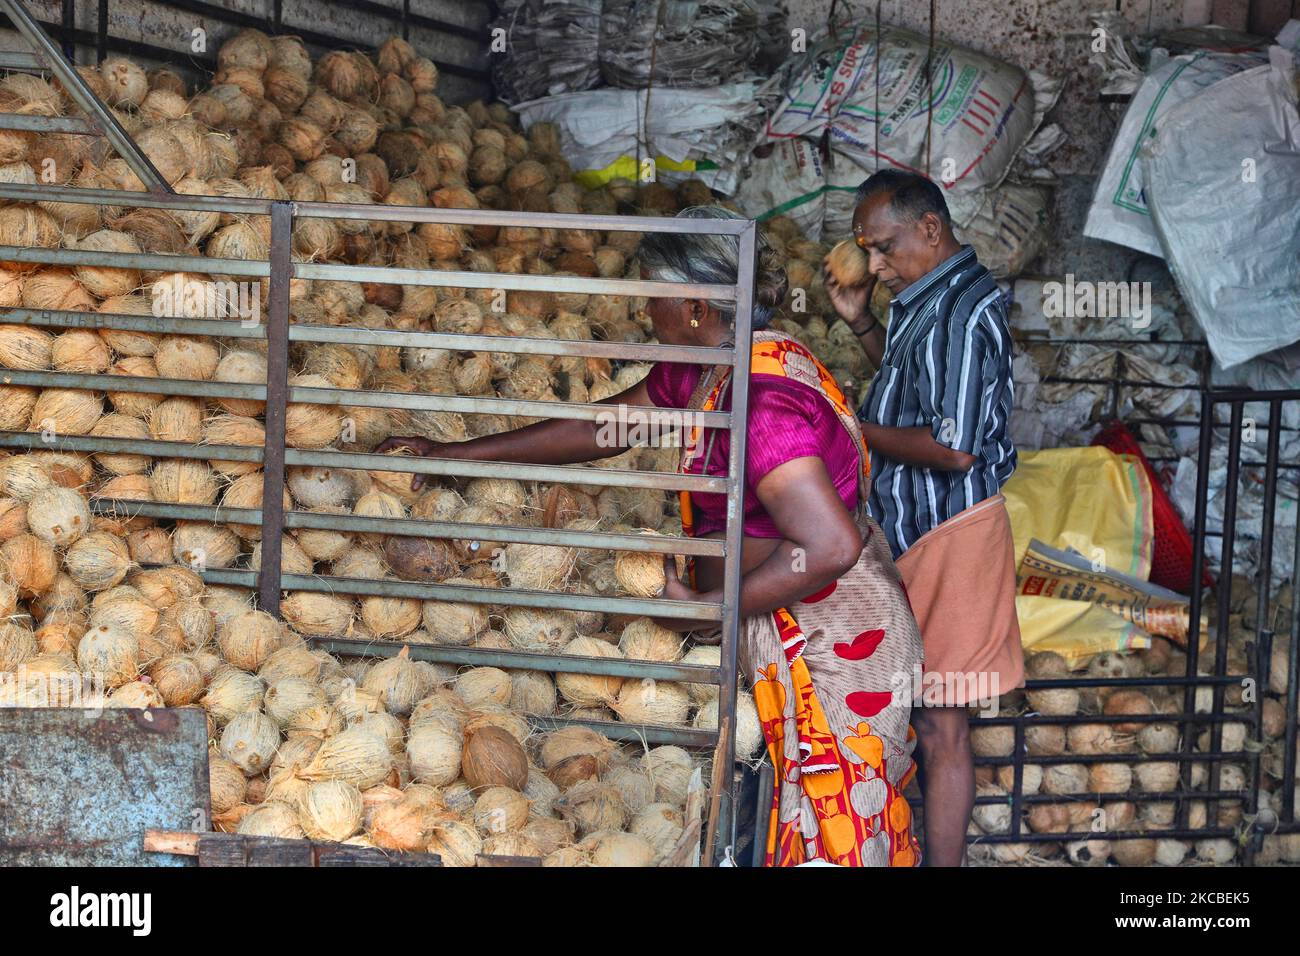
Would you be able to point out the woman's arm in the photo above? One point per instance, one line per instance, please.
(557, 441)
(821, 543)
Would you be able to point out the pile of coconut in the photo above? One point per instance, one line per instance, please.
(1100, 795)
(397, 754)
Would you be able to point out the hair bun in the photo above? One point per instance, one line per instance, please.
(770, 282)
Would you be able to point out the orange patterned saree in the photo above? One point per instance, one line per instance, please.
(833, 675)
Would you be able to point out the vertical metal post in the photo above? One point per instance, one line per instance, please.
(1224, 606)
(1263, 629)
(277, 16)
(277, 391)
(1292, 692)
(724, 757)
(406, 13)
(1198, 574)
(101, 33)
(69, 20)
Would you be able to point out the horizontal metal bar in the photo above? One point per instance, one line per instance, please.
(217, 514)
(523, 660)
(47, 124)
(522, 282)
(17, 60)
(131, 446)
(508, 597)
(1121, 383)
(156, 324)
(1198, 757)
(458, 342)
(132, 383)
(136, 260)
(1153, 681)
(633, 733)
(473, 405)
(597, 540)
(1137, 796)
(1173, 833)
(184, 202)
(1220, 396)
(1065, 720)
(555, 474)
(504, 217)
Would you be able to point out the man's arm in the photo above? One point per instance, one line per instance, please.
(915, 446)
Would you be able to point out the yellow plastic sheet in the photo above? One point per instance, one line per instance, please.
(1099, 504)
(1089, 499)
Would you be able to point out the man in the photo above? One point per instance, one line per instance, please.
(935, 421)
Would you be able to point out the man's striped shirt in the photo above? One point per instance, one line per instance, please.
(947, 366)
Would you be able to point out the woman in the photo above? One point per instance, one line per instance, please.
(829, 639)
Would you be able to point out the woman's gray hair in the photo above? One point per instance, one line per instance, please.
(714, 259)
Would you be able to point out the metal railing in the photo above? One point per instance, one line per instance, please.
(275, 456)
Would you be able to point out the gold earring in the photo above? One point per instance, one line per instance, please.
(695, 323)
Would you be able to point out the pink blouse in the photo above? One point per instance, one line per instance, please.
(787, 420)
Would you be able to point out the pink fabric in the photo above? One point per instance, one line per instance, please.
(787, 420)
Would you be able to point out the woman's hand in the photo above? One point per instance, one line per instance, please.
(677, 590)
(423, 448)
(851, 302)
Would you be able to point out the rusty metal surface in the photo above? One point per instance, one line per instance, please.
(80, 790)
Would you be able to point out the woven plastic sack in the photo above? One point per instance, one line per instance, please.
(981, 112)
(1086, 499)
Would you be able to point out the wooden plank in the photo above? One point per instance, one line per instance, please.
(180, 842)
(221, 849)
(264, 851)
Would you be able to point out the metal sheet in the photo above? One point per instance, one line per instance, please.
(80, 790)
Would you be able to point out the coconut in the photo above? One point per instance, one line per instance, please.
(500, 810)
(330, 810)
(250, 741)
(127, 83)
(592, 806)
(178, 679)
(310, 425)
(200, 545)
(97, 561)
(65, 411)
(589, 689)
(532, 692)
(244, 367)
(1129, 702)
(317, 614)
(455, 843)
(483, 685)
(1109, 777)
(492, 757)
(645, 640)
(186, 358)
(434, 751)
(178, 420)
(231, 692)
(670, 769)
(454, 623)
(272, 818)
(136, 695)
(398, 682)
(249, 638)
(182, 481)
(994, 741)
(17, 644)
(354, 755)
(58, 516)
(23, 347)
(652, 702)
(538, 566)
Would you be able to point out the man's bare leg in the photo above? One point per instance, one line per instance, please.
(947, 782)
